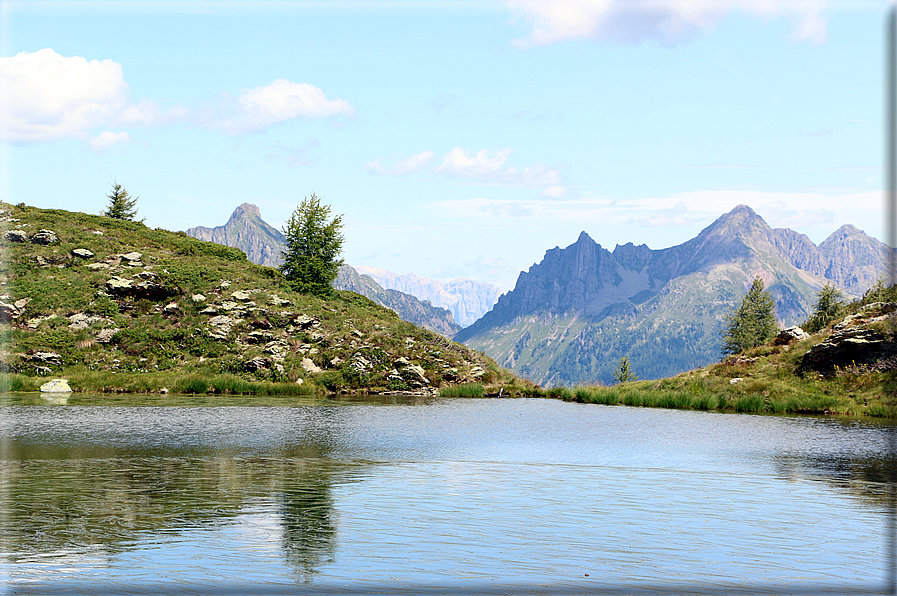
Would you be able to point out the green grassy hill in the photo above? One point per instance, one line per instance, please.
(112, 305)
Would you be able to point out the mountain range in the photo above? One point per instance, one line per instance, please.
(573, 316)
(468, 300)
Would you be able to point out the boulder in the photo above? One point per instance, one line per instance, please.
(47, 358)
(241, 295)
(198, 298)
(412, 374)
(56, 386)
(846, 347)
(98, 266)
(82, 253)
(15, 236)
(256, 364)
(171, 308)
(119, 286)
(305, 322)
(44, 237)
(8, 312)
(105, 335)
(791, 334)
(132, 256)
(309, 366)
(221, 326)
(276, 300)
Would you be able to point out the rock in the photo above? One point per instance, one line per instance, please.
(163, 390)
(735, 380)
(198, 298)
(221, 326)
(98, 266)
(44, 237)
(21, 303)
(241, 295)
(412, 374)
(15, 236)
(225, 284)
(209, 310)
(300, 381)
(170, 308)
(276, 300)
(56, 386)
(360, 363)
(257, 337)
(846, 347)
(791, 334)
(47, 358)
(8, 312)
(105, 335)
(36, 321)
(82, 253)
(309, 366)
(98, 233)
(305, 322)
(42, 371)
(278, 349)
(132, 256)
(119, 286)
(82, 321)
(256, 364)
(228, 305)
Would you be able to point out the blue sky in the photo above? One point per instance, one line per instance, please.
(458, 138)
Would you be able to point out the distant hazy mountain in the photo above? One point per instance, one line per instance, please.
(408, 307)
(467, 299)
(247, 231)
(263, 244)
(573, 316)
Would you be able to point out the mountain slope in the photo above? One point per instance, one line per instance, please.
(468, 300)
(247, 231)
(571, 317)
(406, 306)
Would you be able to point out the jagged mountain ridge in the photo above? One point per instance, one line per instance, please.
(247, 231)
(572, 316)
(263, 244)
(408, 307)
(468, 300)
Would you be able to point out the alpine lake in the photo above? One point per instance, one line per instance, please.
(104, 494)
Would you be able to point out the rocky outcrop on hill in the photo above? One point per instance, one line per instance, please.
(855, 342)
(406, 306)
(247, 231)
(583, 307)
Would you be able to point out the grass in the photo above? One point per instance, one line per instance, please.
(466, 390)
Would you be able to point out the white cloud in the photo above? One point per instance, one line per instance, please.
(107, 140)
(491, 168)
(45, 96)
(553, 21)
(400, 167)
(260, 107)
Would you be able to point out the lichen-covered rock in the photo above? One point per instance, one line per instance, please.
(105, 335)
(15, 236)
(412, 374)
(846, 347)
(305, 322)
(791, 334)
(8, 312)
(45, 237)
(56, 386)
(198, 298)
(98, 266)
(221, 326)
(82, 253)
(132, 256)
(241, 295)
(47, 358)
(118, 286)
(256, 364)
(171, 308)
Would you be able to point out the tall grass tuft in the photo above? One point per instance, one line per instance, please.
(752, 402)
(465, 390)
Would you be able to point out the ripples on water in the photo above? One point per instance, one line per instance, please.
(503, 496)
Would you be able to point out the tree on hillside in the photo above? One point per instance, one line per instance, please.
(121, 205)
(623, 373)
(753, 322)
(313, 245)
(828, 307)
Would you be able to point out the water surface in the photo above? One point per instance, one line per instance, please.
(208, 495)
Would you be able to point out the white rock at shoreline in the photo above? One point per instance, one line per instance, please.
(56, 386)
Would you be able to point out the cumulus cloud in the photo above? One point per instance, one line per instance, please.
(107, 140)
(260, 107)
(402, 166)
(491, 168)
(669, 21)
(45, 96)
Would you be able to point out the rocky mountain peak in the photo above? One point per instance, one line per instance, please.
(245, 210)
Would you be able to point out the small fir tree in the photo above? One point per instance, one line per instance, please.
(753, 322)
(121, 205)
(828, 306)
(313, 245)
(623, 373)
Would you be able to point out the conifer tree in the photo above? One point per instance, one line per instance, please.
(623, 373)
(313, 244)
(828, 307)
(121, 205)
(753, 322)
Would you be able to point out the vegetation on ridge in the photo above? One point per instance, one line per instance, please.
(112, 305)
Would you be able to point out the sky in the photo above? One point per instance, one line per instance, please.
(457, 139)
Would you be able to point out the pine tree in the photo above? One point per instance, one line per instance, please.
(753, 322)
(828, 307)
(313, 244)
(623, 373)
(121, 205)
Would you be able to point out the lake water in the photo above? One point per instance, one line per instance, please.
(138, 495)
